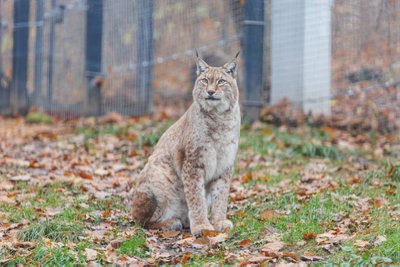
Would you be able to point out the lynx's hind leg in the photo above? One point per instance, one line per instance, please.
(144, 205)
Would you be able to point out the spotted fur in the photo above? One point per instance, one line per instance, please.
(191, 167)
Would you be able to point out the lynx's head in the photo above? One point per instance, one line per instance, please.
(215, 89)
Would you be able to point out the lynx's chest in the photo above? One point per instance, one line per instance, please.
(222, 153)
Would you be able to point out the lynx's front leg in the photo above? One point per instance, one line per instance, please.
(219, 190)
(193, 183)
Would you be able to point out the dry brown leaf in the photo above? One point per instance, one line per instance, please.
(331, 238)
(245, 243)
(85, 174)
(291, 256)
(309, 236)
(270, 254)
(268, 215)
(274, 246)
(25, 177)
(106, 214)
(209, 233)
(354, 180)
(170, 234)
(6, 199)
(20, 244)
(379, 202)
(91, 254)
(259, 259)
(240, 213)
(203, 240)
(362, 243)
(311, 258)
(116, 243)
(219, 238)
(6, 185)
(247, 177)
(392, 190)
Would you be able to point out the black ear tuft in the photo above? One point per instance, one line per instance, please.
(237, 54)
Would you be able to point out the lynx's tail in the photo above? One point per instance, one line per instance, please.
(144, 205)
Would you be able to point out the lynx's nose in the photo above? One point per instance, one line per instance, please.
(210, 93)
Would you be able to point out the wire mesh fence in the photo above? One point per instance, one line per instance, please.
(333, 57)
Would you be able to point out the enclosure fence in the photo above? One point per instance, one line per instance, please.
(91, 57)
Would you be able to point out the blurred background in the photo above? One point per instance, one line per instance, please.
(336, 61)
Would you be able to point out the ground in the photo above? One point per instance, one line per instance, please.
(299, 195)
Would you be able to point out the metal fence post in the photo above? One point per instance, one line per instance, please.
(4, 88)
(38, 52)
(19, 93)
(93, 52)
(145, 54)
(253, 46)
(51, 53)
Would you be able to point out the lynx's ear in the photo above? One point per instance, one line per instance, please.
(202, 66)
(231, 67)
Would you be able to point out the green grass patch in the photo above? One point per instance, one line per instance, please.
(39, 118)
(135, 246)
(54, 230)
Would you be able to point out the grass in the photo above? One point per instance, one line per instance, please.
(55, 230)
(135, 246)
(38, 118)
(286, 153)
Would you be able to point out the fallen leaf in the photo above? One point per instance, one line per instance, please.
(362, 243)
(85, 174)
(291, 256)
(330, 238)
(240, 214)
(245, 243)
(379, 202)
(26, 245)
(379, 240)
(204, 240)
(274, 246)
(170, 234)
(116, 243)
(392, 190)
(91, 254)
(219, 238)
(209, 233)
(6, 199)
(247, 177)
(106, 214)
(6, 185)
(259, 259)
(309, 236)
(25, 177)
(311, 258)
(268, 214)
(354, 180)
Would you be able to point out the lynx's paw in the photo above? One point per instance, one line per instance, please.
(223, 226)
(196, 229)
(168, 225)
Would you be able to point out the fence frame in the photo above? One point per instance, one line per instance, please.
(19, 91)
(253, 46)
(93, 54)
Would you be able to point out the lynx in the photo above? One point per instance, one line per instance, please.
(190, 170)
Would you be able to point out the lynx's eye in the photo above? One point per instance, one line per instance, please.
(204, 81)
(221, 82)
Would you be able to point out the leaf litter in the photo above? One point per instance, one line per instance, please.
(101, 168)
